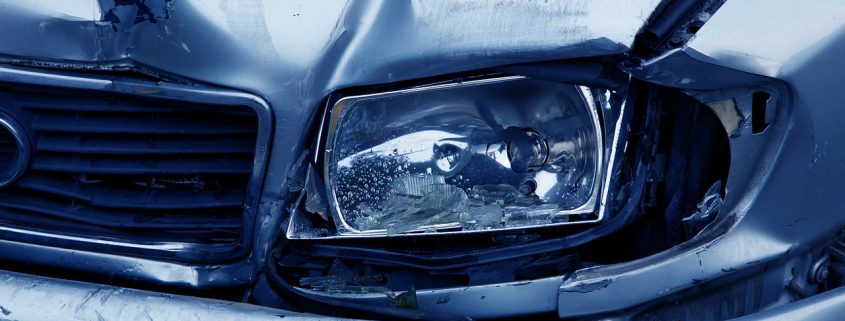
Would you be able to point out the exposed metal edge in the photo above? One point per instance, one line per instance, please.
(712, 254)
(502, 300)
(122, 64)
(131, 268)
(829, 305)
(257, 228)
(26, 297)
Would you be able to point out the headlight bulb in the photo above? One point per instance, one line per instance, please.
(527, 151)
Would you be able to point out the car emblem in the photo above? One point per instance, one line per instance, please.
(15, 149)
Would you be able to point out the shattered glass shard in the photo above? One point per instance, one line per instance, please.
(479, 217)
(420, 201)
(413, 202)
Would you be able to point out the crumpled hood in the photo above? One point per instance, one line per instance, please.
(293, 53)
(262, 45)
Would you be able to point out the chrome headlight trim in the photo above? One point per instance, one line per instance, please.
(590, 211)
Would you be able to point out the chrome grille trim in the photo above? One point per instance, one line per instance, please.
(212, 97)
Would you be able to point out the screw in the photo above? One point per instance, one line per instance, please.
(822, 274)
(676, 41)
(527, 187)
(819, 271)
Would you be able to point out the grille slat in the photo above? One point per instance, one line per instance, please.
(129, 164)
(130, 168)
(147, 123)
(115, 219)
(144, 144)
(142, 197)
(59, 101)
(74, 228)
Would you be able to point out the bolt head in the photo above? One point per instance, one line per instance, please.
(822, 275)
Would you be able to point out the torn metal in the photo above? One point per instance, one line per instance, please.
(288, 57)
(706, 210)
(292, 54)
(773, 195)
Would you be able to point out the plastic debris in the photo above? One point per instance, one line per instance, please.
(706, 210)
(314, 202)
(341, 279)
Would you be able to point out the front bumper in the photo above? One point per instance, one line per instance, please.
(28, 297)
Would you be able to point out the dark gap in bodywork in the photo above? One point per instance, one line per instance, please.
(691, 155)
(673, 139)
(759, 104)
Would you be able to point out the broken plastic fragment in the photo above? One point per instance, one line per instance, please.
(710, 205)
(341, 279)
(314, 202)
(405, 300)
(729, 115)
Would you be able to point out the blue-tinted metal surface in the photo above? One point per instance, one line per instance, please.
(785, 186)
(128, 168)
(828, 306)
(784, 192)
(291, 54)
(27, 297)
(511, 299)
(75, 256)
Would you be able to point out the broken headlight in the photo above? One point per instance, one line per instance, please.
(489, 154)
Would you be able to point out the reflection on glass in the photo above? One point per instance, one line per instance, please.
(481, 156)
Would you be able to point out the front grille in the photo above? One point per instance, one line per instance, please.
(130, 169)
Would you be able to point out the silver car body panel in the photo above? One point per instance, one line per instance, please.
(828, 306)
(787, 186)
(26, 297)
(781, 190)
(292, 54)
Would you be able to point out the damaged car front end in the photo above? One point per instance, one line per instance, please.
(642, 160)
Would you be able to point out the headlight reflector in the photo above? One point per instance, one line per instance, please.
(488, 154)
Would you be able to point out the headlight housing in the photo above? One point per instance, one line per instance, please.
(489, 154)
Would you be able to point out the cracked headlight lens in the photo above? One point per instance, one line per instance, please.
(488, 154)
